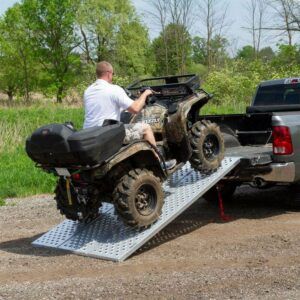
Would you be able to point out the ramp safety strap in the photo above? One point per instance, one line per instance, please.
(69, 191)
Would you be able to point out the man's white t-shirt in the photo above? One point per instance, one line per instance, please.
(103, 100)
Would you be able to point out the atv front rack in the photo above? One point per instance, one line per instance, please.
(108, 238)
(168, 86)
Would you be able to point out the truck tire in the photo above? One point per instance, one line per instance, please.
(227, 192)
(207, 146)
(138, 198)
(230, 141)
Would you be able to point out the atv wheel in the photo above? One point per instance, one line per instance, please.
(76, 211)
(207, 145)
(227, 192)
(138, 198)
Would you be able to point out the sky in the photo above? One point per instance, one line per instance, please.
(235, 33)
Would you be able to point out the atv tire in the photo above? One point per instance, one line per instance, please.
(138, 198)
(77, 211)
(207, 146)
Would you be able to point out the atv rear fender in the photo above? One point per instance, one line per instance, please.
(138, 155)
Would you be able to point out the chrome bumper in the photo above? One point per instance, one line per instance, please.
(280, 172)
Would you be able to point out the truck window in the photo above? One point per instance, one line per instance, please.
(285, 94)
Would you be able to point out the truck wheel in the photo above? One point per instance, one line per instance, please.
(77, 211)
(138, 198)
(227, 192)
(207, 146)
(230, 141)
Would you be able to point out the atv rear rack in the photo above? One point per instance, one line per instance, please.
(108, 238)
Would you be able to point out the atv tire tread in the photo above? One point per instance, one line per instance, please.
(124, 197)
(71, 212)
(61, 205)
(198, 134)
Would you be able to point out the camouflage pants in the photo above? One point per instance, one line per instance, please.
(134, 132)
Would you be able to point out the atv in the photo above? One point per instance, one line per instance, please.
(95, 166)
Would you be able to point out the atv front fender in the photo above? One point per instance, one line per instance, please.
(176, 128)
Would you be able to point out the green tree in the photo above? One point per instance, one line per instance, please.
(9, 78)
(17, 61)
(218, 53)
(266, 54)
(199, 50)
(287, 55)
(51, 26)
(99, 20)
(179, 44)
(247, 53)
(132, 50)
(111, 30)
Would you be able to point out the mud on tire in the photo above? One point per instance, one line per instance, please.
(88, 211)
(207, 146)
(138, 198)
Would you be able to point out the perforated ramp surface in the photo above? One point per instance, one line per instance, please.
(108, 238)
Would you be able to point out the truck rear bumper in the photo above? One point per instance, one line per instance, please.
(257, 165)
(280, 172)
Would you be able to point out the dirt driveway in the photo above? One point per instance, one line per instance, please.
(255, 256)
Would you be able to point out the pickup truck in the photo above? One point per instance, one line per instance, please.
(266, 137)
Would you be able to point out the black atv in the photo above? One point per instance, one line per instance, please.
(94, 165)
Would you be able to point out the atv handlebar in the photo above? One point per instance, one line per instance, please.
(150, 99)
(143, 89)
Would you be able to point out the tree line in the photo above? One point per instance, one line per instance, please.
(51, 46)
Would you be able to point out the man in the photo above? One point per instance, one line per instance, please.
(104, 100)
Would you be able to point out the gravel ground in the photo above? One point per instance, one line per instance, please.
(254, 256)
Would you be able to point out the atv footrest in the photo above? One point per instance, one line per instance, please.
(108, 238)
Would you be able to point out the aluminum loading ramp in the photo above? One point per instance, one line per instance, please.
(108, 238)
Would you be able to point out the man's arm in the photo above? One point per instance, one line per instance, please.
(138, 104)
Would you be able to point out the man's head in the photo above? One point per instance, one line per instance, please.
(105, 71)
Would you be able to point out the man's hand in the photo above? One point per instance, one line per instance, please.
(138, 104)
(147, 93)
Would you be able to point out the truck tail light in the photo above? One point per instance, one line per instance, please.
(76, 176)
(282, 141)
(292, 81)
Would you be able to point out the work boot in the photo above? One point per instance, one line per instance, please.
(169, 164)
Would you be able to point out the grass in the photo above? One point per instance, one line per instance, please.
(223, 109)
(18, 175)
